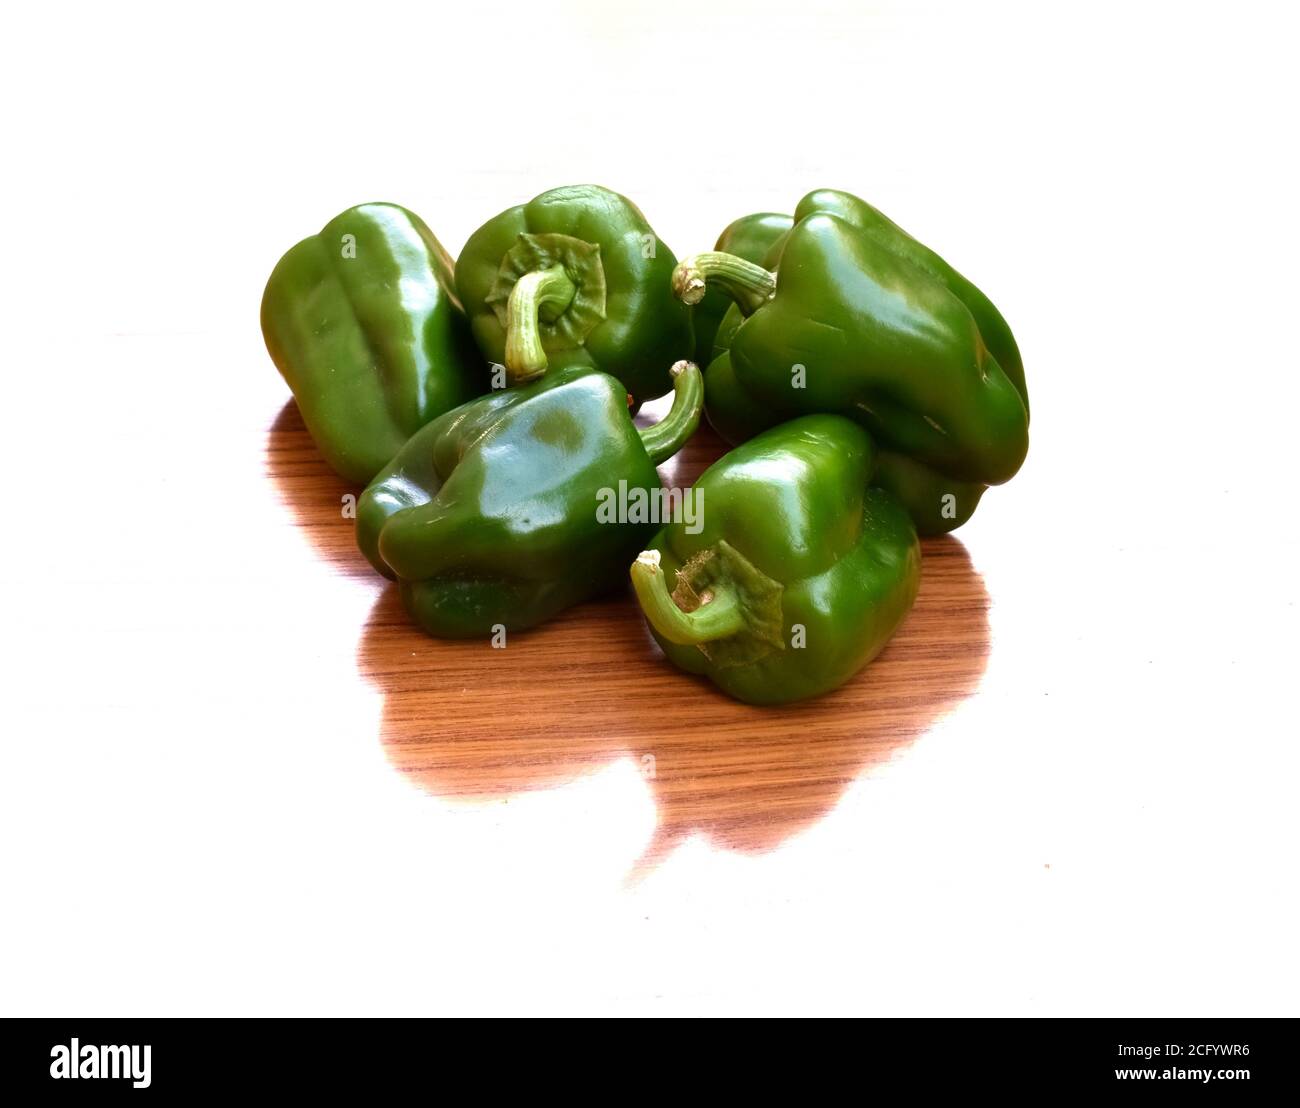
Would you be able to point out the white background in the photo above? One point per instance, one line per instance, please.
(1120, 177)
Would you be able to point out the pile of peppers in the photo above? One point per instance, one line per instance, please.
(871, 394)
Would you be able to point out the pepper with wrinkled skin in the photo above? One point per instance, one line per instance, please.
(492, 514)
(799, 575)
(874, 326)
(750, 237)
(364, 324)
(575, 276)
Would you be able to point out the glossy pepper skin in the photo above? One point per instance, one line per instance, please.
(799, 575)
(750, 237)
(364, 324)
(883, 335)
(492, 514)
(937, 504)
(575, 276)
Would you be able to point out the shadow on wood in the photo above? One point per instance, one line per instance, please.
(465, 721)
(312, 491)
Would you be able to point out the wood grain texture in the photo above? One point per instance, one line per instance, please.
(468, 721)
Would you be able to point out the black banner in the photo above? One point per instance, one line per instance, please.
(93, 1058)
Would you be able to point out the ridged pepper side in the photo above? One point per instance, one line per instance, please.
(880, 329)
(364, 324)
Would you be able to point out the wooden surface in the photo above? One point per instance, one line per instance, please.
(466, 720)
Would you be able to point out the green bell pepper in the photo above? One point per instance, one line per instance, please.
(495, 513)
(363, 322)
(993, 329)
(862, 320)
(937, 504)
(577, 275)
(750, 237)
(799, 573)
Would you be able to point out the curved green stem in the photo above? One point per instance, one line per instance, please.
(719, 617)
(543, 293)
(749, 285)
(669, 435)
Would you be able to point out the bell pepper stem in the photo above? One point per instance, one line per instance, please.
(542, 294)
(719, 617)
(663, 439)
(749, 285)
